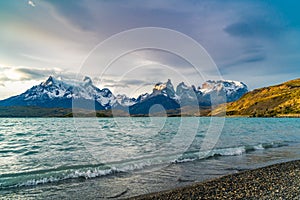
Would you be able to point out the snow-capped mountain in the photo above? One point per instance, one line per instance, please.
(55, 92)
(211, 92)
(123, 100)
(165, 89)
(187, 95)
(142, 97)
(163, 94)
(232, 90)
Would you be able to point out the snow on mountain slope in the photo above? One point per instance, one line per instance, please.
(55, 92)
(184, 91)
(232, 89)
(122, 99)
(227, 85)
(56, 88)
(166, 89)
(221, 91)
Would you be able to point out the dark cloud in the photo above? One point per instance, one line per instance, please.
(125, 83)
(30, 73)
(254, 28)
(239, 35)
(253, 58)
(35, 73)
(249, 55)
(134, 82)
(115, 85)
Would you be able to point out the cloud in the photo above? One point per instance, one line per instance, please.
(249, 55)
(22, 73)
(31, 3)
(125, 82)
(254, 28)
(237, 34)
(134, 82)
(116, 86)
(131, 87)
(41, 38)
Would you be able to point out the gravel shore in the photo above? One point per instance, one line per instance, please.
(279, 181)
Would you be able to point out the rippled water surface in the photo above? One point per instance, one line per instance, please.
(122, 157)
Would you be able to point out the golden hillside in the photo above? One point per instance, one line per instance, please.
(279, 100)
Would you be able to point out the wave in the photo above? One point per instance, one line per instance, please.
(33, 178)
(90, 173)
(227, 151)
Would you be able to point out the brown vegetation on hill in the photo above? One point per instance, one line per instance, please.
(281, 100)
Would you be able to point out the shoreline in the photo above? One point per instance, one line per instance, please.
(277, 181)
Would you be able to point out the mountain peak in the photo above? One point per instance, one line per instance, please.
(182, 88)
(49, 81)
(159, 86)
(182, 85)
(232, 89)
(87, 80)
(55, 92)
(166, 89)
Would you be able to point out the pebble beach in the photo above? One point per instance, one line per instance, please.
(278, 181)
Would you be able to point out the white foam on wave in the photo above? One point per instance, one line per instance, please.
(258, 147)
(34, 182)
(229, 151)
(234, 151)
(89, 172)
(85, 173)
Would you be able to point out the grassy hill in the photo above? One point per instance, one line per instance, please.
(281, 100)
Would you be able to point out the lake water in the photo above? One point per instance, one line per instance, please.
(122, 157)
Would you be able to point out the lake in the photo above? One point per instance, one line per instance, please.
(123, 157)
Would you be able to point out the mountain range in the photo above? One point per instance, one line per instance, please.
(55, 93)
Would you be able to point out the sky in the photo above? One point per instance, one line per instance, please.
(256, 42)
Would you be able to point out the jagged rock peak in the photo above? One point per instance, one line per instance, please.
(166, 89)
(210, 84)
(159, 86)
(49, 81)
(169, 83)
(183, 85)
(87, 80)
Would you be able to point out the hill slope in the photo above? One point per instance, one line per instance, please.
(279, 100)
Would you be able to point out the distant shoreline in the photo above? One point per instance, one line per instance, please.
(271, 182)
(137, 116)
(35, 112)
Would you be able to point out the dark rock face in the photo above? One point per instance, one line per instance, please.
(145, 106)
(222, 91)
(55, 93)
